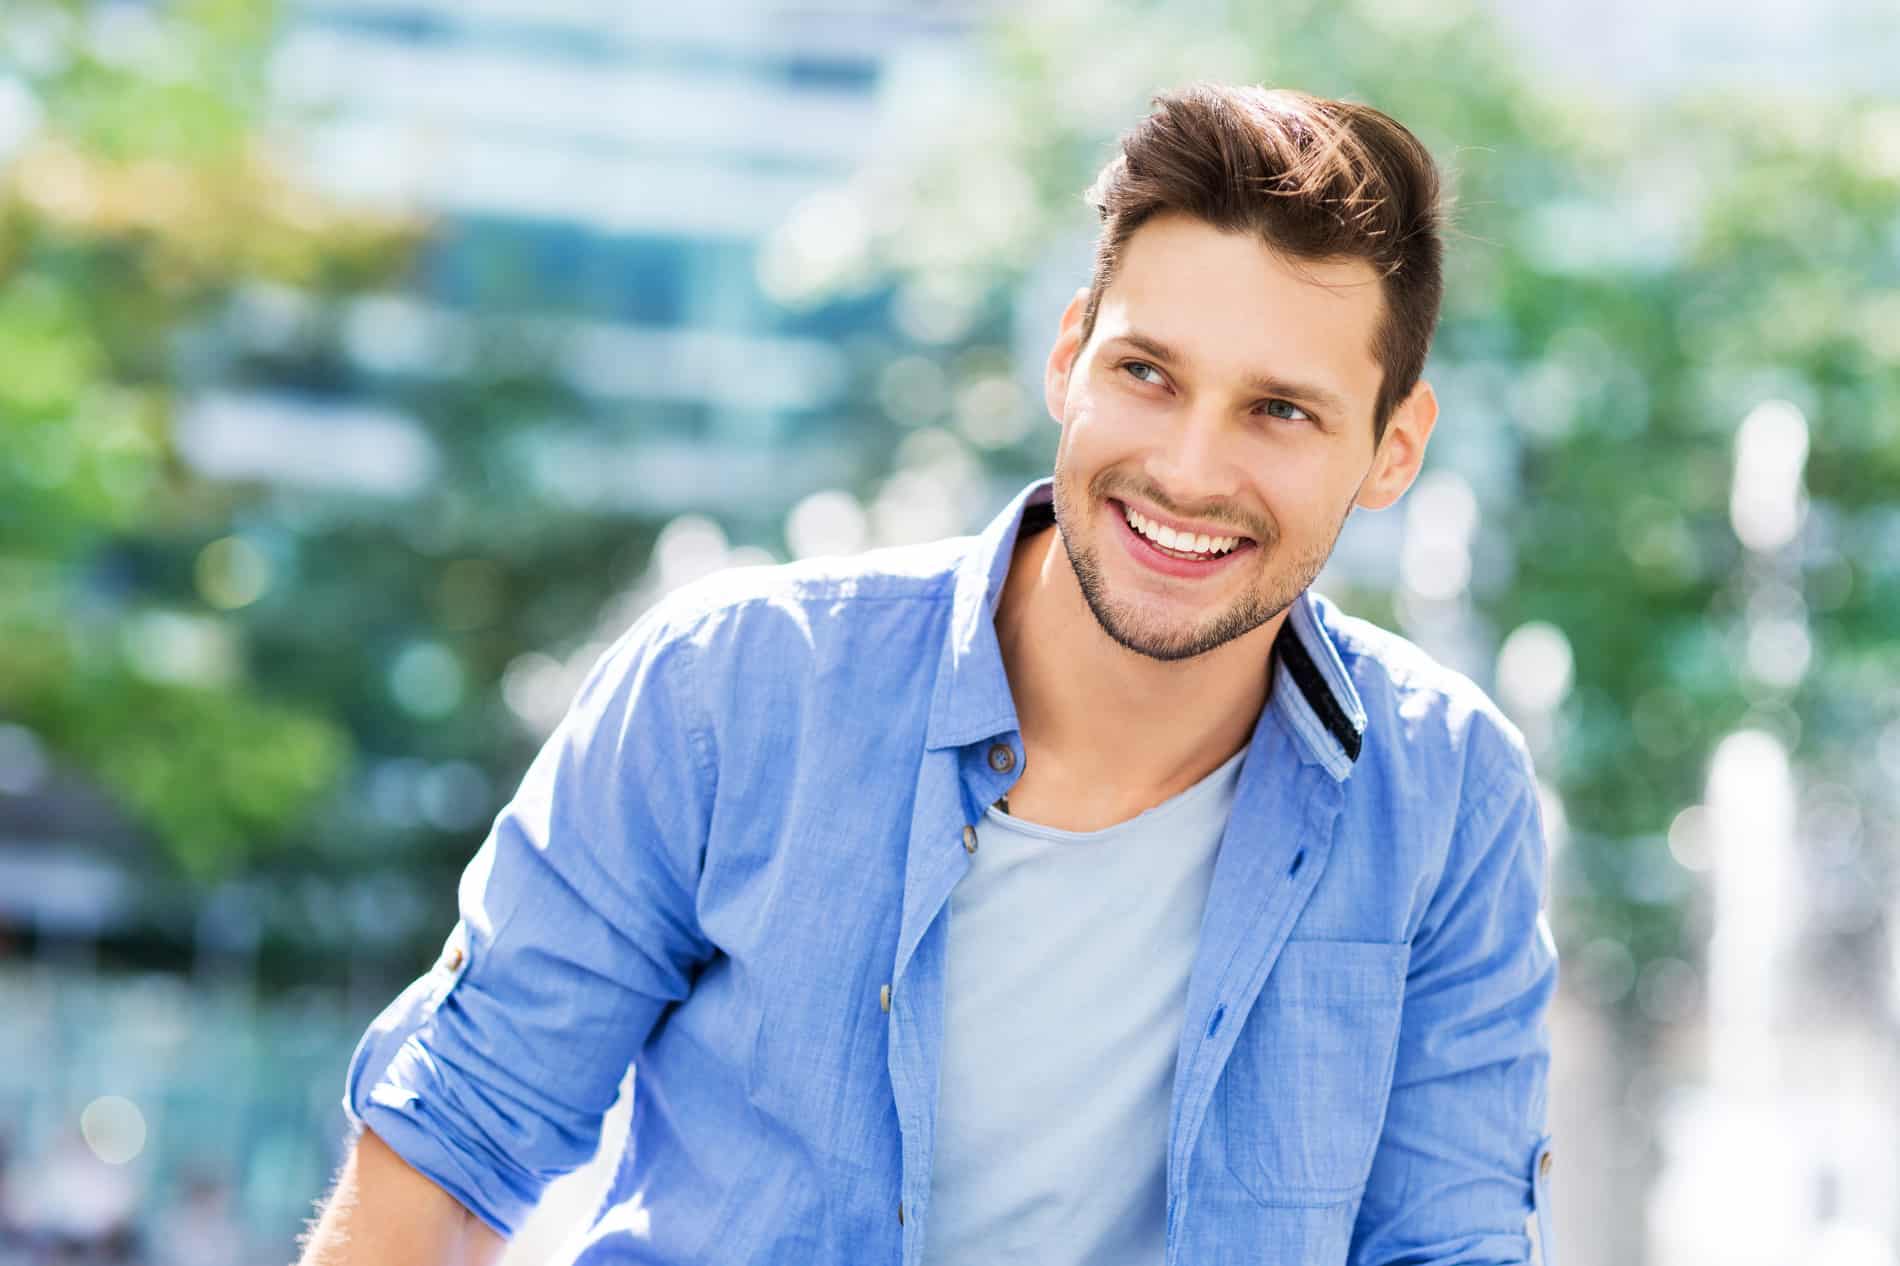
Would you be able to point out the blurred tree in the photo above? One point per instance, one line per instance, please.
(292, 679)
(137, 196)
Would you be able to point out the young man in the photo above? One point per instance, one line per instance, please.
(1085, 891)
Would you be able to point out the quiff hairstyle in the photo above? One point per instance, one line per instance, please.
(1315, 179)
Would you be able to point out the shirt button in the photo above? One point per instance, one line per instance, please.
(1002, 758)
(452, 958)
(969, 839)
(900, 1213)
(1543, 1165)
(884, 997)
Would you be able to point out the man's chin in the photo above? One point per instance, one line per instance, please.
(1158, 640)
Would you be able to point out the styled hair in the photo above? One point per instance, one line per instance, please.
(1315, 179)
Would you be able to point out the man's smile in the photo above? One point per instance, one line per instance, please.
(1176, 547)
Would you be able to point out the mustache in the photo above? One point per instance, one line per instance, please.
(1105, 486)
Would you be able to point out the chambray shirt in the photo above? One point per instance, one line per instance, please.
(730, 867)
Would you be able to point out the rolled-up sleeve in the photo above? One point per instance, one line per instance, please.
(491, 1073)
(1460, 1164)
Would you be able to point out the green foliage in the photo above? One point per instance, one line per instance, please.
(139, 206)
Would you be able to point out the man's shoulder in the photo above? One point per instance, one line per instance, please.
(1415, 703)
(830, 594)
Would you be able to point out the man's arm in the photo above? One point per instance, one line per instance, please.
(383, 1211)
(1458, 1170)
(490, 1074)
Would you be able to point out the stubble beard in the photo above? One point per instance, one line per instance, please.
(1126, 629)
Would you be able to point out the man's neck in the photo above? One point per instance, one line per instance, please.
(1108, 732)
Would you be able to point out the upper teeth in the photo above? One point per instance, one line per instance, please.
(1186, 542)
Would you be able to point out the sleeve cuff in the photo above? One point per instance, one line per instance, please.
(394, 1087)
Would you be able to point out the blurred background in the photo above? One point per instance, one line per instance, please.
(365, 365)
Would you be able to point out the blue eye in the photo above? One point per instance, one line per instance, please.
(1133, 365)
(1294, 412)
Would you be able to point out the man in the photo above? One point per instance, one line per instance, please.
(1085, 891)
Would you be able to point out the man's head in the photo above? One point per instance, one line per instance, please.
(1245, 362)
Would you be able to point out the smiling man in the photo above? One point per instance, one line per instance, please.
(1086, 891)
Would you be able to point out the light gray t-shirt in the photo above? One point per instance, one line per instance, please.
(1069, 955)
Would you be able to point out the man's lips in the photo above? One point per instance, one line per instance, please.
(1150, 521)
(1172, 562)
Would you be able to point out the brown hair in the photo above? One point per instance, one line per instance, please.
(1316, 179)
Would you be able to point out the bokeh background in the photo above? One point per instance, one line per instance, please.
(365, 365)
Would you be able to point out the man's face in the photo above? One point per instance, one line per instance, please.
(1224, 400)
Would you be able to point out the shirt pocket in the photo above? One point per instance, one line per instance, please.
(1304, 1093)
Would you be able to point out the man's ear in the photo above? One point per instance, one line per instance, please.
(1401, 451)
(1055, 375)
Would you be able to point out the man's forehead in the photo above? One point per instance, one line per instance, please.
(1190, 286)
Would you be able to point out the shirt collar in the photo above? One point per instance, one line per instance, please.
(972, 700)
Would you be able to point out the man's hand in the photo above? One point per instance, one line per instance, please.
(385, 1213)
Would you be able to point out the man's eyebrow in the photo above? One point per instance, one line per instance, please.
(1322, 398)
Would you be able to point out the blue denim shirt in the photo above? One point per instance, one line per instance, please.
(729, 868)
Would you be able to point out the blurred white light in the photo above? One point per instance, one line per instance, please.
(536, 688)
(750, 556)
(1604, 971)
(1434, 570)
(398, 334)
(991, 412)
(825, 523)
(1666, 990)
(426, 679)
(169, 646)
(19, 114)
(269, 317)
(129, 37)
(1556, 819)
(1749, 783)
(913, 390)
(1441, 518)
(1411, 18)
(1442, 507)
(114, 1129)
(1544, 399)
(1535, 668)
(1771, 450)
(1751, 800)
(1887, 750)
(915, 506)
(1850, 1244)
(22, 760)
(935, 308)
(1880, 141)
(1690, 840)
(230, 435)
(997, 203)
(232, 573)
(1779, 652)
(689, 547)
(821, 247)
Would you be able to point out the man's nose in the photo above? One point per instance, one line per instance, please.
(1191, 463)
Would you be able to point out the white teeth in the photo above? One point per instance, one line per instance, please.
(1186, 542)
